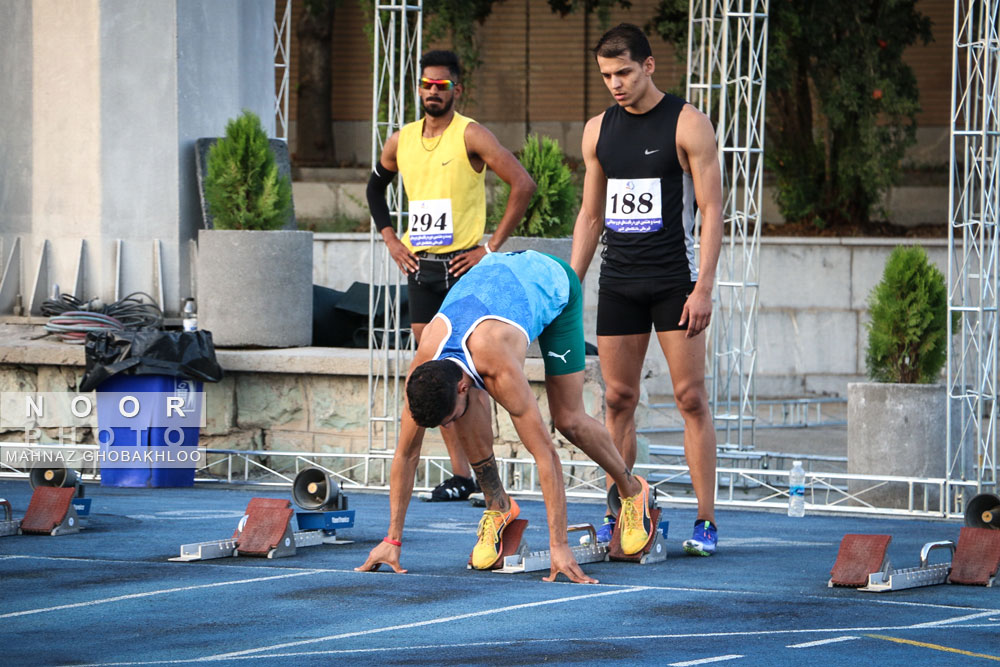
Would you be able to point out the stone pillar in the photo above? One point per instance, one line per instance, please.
(103, 102)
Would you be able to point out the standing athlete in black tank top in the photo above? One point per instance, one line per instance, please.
(651, 160)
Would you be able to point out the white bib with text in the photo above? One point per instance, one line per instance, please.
(632, 205)
(431, 222)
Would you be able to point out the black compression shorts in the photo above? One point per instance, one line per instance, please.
(626, 307)
(428, 286)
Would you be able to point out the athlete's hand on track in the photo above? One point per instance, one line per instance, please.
(466, 261)
(405, 260)
(697, 313)
(563, 561)
(382, 553)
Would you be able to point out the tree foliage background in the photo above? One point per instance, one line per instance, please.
(841, 102)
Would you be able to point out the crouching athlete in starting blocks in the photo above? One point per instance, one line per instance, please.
(476, 344)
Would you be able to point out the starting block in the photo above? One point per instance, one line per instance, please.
(512, 543)
(862, 562)
(51, 511)
(522, 559)
(517, 558)
(266, 531)
(655, 550)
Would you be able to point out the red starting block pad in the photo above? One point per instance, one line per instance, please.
(859, 556)
(266, 531)
(51, 512)
(653, 552)
(510, 544)
(977, 557)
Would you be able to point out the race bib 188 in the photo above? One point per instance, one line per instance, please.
(431, 223)
(633, 205)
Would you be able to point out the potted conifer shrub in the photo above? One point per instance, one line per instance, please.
(896, 423)
(254, 278)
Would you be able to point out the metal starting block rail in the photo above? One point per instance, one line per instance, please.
(8, 526)
(526, 560)
(888, 579)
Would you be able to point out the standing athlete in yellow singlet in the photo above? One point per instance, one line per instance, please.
(442, 160)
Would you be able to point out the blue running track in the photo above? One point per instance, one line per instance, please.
(108, 595)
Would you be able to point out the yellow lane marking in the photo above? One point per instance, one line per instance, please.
(936, 647)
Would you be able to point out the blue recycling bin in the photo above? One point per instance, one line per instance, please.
(120, 437)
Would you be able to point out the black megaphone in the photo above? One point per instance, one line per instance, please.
(983, 511)
(315, 490)
(59, 477)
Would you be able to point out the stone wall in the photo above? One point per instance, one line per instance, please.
(301, 399)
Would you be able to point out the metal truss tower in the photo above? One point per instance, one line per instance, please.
(974, 205)
(282, 72)
(398, 34)
(726, 80)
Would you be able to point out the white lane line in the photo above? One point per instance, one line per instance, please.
(126, 561)
(705, 661)
(927, 605)
(433, 621)
(957, 619)
(165, 591)
(821, 642)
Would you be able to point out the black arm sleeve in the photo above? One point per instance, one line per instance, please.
(375, 192)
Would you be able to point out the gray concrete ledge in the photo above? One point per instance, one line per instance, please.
(20, 344)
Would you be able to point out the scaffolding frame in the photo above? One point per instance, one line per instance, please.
(974, 206)
(726, 80)
(282, 68)
(397, 35)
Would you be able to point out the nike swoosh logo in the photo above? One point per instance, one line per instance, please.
(649, 152)
(446, 162)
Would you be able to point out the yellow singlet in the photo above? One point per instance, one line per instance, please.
(446, 196)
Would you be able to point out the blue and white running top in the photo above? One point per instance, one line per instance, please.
(527, 289)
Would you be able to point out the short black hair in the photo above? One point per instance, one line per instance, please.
(442, 59)
(624, 37)
(432, 391)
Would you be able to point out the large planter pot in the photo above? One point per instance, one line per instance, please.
(254, 288)
(896, 429)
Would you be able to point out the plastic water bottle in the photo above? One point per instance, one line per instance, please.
(190, 316)
(797, 490)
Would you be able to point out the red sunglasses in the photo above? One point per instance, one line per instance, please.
(442, 84)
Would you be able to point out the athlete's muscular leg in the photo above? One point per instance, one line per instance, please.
(621, 367)
(474, 430)
(686, 359)
(459, 462)
(565, 393)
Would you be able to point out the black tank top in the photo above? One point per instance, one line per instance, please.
(641, 242)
